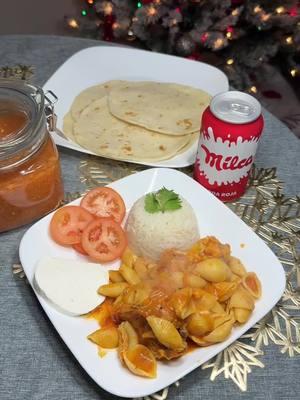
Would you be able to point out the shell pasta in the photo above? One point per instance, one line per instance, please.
(187, 299)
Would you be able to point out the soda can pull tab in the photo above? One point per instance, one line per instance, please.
(242, 109)
(235, 107)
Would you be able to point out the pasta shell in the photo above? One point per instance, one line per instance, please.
(209, 288)
(220, 333)
(118, 301)
(166, 333)
(220, 319)
(129, 275)
(242, 315)
(198, 293)
(235, 278)
(236, 266)
(105, 337)
(181, 302)
(241, 299)
(127, 338)
(225, 290)
(213, 270)
(217, 308)
(199, 341)
(199, 324)
(128, 257)
(194, 281)
(135, 294)
(112, 289)
(140, 361)
(115, 276)
(206, 302)
(251, 283)
(140, 267)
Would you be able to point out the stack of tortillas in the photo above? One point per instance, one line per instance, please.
(136, 121)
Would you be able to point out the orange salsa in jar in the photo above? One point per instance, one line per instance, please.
(30, 177)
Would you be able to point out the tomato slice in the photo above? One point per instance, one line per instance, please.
(67, 224)
(78, 247)
(104, 202)
(104, 240)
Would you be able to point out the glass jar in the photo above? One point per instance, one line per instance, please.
(30, 177)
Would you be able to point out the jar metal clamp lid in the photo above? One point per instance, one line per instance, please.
(51, 117)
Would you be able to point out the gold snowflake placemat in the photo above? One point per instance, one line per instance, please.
(19, 71)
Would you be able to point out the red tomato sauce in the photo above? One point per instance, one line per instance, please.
(11, 122)
(32, 188)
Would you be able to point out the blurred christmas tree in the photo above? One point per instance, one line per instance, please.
(238, 36)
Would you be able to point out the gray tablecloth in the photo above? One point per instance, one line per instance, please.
(34, 362)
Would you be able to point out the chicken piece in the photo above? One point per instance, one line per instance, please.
(174, 260)
(160, 352)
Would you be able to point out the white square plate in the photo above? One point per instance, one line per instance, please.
(102, 63)
(214, 218)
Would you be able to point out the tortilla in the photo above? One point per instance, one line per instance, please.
(91, 94)
(99, 131)
(166, 108)
(68, 126)
(193, 138)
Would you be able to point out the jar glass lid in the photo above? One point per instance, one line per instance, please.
(21, 117)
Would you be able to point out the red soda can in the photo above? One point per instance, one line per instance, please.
(230, 130)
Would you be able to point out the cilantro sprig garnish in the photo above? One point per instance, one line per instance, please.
(161, 201)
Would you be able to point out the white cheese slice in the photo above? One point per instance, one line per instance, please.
(71, 286)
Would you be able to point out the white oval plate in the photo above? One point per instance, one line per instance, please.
(102, 63)
(214, 218)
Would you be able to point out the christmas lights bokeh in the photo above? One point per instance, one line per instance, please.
(238, 36)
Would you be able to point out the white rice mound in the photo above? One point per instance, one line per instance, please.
(150, 234)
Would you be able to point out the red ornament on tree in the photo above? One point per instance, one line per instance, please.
(108, 33)
(293, 11)
(204, 37)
